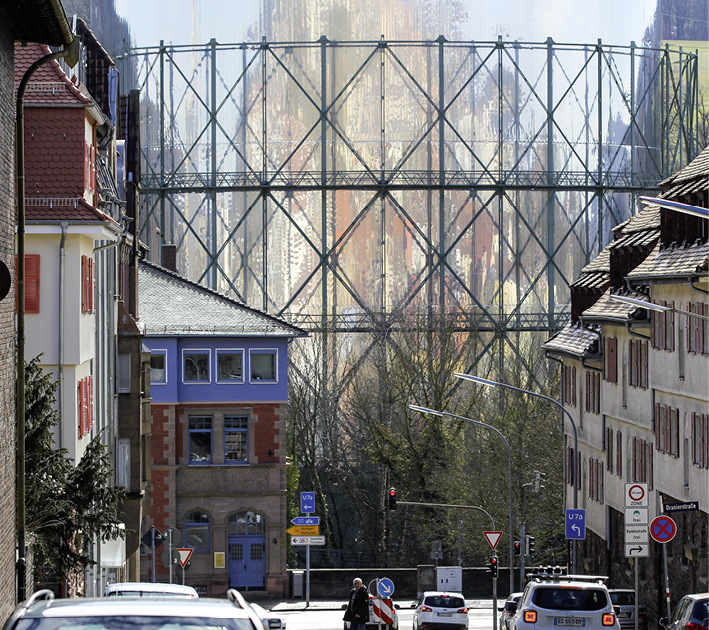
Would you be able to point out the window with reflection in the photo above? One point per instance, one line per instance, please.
(195, 366)
(158, 371)
(200, 437)
(263, 365)
(236, 443)
(230, 366)
(246, 524)
(197, 531)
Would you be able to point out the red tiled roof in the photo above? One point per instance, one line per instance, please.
(40, 210)
(49, 83)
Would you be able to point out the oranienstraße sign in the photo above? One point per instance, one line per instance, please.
(687, 506)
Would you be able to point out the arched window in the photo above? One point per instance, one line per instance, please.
(197, 531)
(246, 524)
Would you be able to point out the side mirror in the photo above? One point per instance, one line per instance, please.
(616, 610)
(513, 608)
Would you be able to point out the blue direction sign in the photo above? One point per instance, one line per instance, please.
(385, 587)
(306, 520)
(575, 524)
(307, 502)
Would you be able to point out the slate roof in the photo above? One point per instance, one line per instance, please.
(575, 339)
(691, 180)
(170, 305)
(676, 261)
(606, 308)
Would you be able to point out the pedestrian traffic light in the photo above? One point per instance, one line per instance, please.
(392, 498)
(518, 547)
(493, 566)
(530, 545)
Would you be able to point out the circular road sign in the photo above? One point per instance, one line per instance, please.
(636, 492)
(663, 529)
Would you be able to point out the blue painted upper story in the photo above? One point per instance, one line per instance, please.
(218, 369)
(209, 348)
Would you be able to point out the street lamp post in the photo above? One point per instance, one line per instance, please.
(484, 381)
(444, 414)
(651, 306)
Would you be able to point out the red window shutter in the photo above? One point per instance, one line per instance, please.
(91, 285)
(661, 324)
(705, 440)
(31, 283)
(658, 424)
(653, 329)
(634, 460)
(87, 165)
(619, 454)
(612, 360)
(671, 315)
(675, 432)
(93, 169)
(81, 397)
(590, 477)
(573, 385)
(700, 328)
(649, 455)
(90, 409)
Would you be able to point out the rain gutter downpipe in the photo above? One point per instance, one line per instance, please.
(60, 349)
(71, 53)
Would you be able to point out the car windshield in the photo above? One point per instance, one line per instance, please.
(623, 599)
(444, 601)
(128, 622)
(569, 598)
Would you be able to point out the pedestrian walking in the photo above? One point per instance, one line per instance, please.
(357, 612)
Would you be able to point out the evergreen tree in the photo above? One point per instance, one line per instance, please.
(66, 505)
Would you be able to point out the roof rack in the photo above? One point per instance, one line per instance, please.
(560, 573)
(236, 598)
(45, 593)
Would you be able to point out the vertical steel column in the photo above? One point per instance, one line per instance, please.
(632, 109)
(500, 190)
(680, 131)
(517, 239)
(244, 262)
(441, 175)
(264, 179)
(323, 192)
(599, 169)
(382, 195)
(212, 241)
(551, 195)
(162, 147)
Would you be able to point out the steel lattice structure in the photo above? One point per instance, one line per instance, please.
(340, 184)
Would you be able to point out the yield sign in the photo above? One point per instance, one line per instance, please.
(184, 556)
(493, 538)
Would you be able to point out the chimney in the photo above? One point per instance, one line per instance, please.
(168, 253)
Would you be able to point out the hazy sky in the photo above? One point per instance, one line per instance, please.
(570, 21)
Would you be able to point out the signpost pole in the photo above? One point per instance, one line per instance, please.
(307, 576)
(169, 546)
(152, 550)
(494, 598)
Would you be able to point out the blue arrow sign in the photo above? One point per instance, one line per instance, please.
(307, 502)
(306, 520)
(385, 587)
(575, 524)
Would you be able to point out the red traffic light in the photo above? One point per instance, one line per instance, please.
(392, 492)
(392, 499)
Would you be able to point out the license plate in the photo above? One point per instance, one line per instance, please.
(440, 614)
(569, 621)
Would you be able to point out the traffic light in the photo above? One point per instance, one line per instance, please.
(493, 566)
(518, 547)
(392, 498)
(530, 545)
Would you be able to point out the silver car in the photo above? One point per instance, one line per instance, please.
(43, 612)
(624, 604)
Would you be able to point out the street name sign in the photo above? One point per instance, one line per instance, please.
(575, 524)
(687, 506)
(303, 530)
(493, 538)
(307, 540)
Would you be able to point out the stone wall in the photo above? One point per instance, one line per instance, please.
(7, 328)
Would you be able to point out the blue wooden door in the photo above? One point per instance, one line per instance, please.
(247, 562)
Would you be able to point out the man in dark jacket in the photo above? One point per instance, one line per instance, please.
(357, 612)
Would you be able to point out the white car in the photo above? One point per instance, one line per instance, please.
(553, 600)
(270, 621)
(441, 610)
(149, 589)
